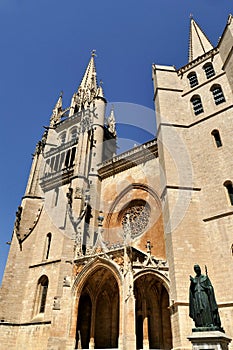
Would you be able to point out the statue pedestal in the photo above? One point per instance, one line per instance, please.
(209, 340)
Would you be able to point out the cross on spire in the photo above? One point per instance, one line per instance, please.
(93, 53)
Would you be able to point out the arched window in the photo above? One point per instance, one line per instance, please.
(217, 94)
(229, 187)
(47, 246)
(42, 289)
(63, 138)
(217, 138)
(197, 104)
(73, 134)
(209, 70)
(192, 79)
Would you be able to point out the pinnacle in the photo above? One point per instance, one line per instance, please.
(198, 41)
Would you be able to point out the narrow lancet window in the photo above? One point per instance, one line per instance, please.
(229, 187)
(47, 246)
(217, 138)
(42, 289)
(73, 152)
(67, 160)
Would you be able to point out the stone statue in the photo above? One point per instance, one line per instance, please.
(112, 123)
(203, 308)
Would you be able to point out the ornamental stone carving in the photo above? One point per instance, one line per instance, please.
(135, 218)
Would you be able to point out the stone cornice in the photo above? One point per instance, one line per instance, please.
(14, 324)
(197, 61)
(57, 178)
(47, 262)
(129, 159)
(61, 148)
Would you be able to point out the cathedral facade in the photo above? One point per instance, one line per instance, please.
(103, 244)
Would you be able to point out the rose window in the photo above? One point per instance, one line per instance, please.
(135, 218)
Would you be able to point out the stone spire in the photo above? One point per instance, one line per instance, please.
(57, 111)
(89, 78)
(88, 88)
(198, 41)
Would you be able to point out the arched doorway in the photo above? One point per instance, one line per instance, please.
(153, 325)
(98, 311)
(84, 321)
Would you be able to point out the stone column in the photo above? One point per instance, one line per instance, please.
(92, 332)
(145, 334)
(129, 304)
(209, 340)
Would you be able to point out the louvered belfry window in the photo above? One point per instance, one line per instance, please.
(197, 105)
(218, 94)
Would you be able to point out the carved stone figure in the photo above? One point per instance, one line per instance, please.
(111, 123)
(203, 308)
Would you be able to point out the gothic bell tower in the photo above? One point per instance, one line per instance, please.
(57, 218)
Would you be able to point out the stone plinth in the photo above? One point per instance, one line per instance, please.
(209, 340)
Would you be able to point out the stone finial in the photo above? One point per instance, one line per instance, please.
(57, 111)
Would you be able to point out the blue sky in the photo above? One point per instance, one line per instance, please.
(45, 47)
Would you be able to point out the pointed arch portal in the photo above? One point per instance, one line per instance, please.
(98, 312)
(153, 325)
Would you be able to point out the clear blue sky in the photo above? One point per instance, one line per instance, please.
(45, 47)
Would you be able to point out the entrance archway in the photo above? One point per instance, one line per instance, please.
(153, 325)
(98, 311)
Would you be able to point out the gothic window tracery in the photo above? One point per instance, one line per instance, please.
(63, 138)
(73, 134)
(135, 217)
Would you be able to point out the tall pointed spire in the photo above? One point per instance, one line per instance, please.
(88, 88)
(198, 41)
(89, 78)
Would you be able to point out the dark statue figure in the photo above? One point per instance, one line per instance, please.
(203, 308)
